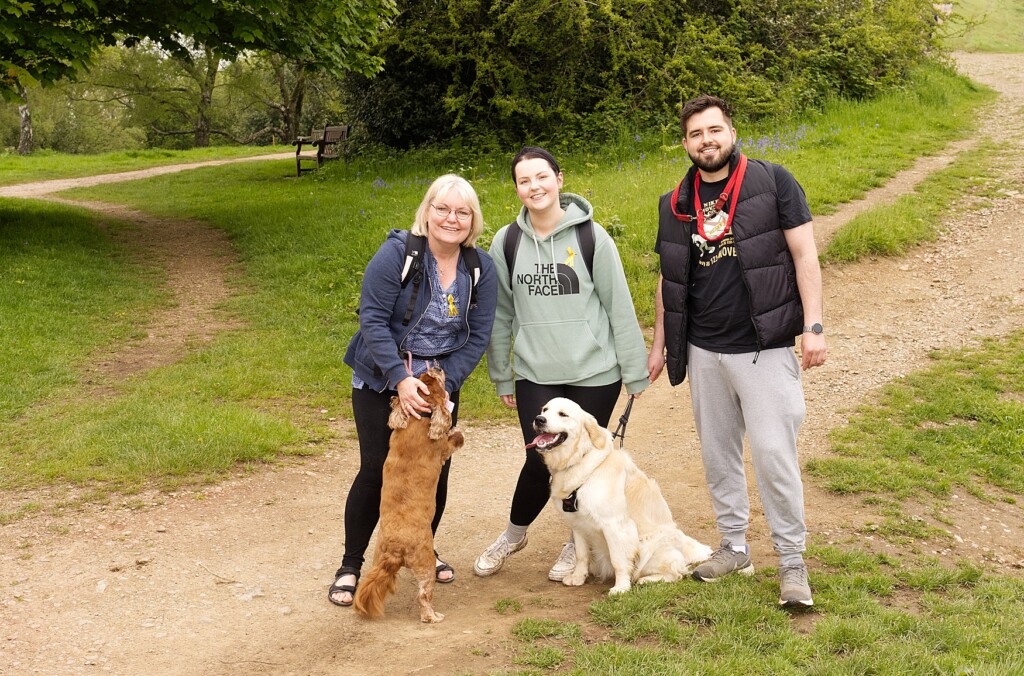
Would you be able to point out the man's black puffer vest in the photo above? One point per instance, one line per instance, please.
(765, 261)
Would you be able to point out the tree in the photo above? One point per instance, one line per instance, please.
(46, 40)
(26, 139)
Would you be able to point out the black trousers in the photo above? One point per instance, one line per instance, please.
(362, 509)
(533, 488)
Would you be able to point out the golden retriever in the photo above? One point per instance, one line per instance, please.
(417, 451)
(621, 524)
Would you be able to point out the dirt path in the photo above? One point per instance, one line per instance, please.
(232, 579)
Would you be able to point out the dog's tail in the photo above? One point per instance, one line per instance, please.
(377, 584)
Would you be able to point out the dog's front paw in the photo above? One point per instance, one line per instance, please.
(617, 589)
(576, 578)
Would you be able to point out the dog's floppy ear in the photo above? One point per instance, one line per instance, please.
(399, 419)
(599, 436)
(440, 422)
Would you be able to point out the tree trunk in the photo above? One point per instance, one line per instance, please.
(207, 83)
(293, 93)
(26, 143)
(295, 101)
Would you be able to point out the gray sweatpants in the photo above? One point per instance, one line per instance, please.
(731, 396)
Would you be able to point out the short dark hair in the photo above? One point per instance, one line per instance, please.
(533, 153)
(699, 105)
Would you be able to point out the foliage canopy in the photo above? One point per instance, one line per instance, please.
(46, 40)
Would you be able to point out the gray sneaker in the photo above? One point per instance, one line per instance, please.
(493, 558)
(565, 564)
(725, 560)
(794, 592)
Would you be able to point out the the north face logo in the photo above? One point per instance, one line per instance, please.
(550, 279)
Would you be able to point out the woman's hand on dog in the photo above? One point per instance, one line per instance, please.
(410, 398)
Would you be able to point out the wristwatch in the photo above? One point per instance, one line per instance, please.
(816, 329)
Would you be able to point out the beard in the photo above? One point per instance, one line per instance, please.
(715, 162)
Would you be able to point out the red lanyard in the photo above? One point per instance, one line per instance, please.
(735, 183)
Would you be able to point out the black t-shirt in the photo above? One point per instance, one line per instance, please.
(719, 305)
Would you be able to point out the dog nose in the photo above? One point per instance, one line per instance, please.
(539, 420)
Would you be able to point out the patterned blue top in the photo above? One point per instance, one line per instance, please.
(437, 331)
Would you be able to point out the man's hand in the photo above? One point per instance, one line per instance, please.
(655, 364)
(812, 350)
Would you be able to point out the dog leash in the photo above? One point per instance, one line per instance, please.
(620, 431)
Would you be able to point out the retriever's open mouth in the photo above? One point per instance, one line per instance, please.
(545, 442)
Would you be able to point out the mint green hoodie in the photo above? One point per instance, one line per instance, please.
(557, 325)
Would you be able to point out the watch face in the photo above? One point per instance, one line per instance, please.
(817, 328)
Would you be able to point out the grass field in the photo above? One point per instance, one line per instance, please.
(987, 26)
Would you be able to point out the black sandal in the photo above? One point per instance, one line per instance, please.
(441, 568)
(350, 588)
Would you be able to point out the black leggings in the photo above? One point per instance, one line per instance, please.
(362, 509)
(533, 488)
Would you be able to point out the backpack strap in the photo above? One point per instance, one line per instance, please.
(413, 270)
(584, 233)
(512, 237)
(472, 258)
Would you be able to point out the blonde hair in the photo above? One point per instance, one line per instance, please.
(437, 191)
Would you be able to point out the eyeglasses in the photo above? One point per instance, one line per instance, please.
(461, 214)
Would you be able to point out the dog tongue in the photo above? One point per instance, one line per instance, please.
(543, 440)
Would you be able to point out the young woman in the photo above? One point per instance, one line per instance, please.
(401, 330)
(559, 331)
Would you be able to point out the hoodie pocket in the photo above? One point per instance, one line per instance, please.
(560, 352)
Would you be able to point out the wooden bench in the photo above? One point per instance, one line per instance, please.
(328, 142)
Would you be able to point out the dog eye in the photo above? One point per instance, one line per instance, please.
(563, 414)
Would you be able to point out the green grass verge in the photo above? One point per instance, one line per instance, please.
(44, 165)
(892, 229)
(303, 244)
(958, 423)
(987, 26)
(872, 615)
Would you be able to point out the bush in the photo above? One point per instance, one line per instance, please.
(504, 72)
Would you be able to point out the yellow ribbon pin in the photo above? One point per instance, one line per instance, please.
(571, 260)
(452, 310)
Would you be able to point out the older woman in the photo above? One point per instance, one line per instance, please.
(446, 316)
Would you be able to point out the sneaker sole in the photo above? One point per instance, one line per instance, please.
(796, 603)
(558, 577)
(745, 571)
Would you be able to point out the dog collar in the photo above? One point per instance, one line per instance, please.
(569, 502)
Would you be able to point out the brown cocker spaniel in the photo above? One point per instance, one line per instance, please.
(419, 448)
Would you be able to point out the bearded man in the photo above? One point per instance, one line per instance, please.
(740, 280)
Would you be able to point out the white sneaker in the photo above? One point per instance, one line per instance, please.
(493, 558)
(565, 564)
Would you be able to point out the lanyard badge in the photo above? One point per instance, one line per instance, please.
(714, 227)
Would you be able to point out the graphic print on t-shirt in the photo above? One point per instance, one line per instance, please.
(710, 252)
(550, 279)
